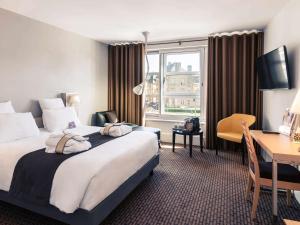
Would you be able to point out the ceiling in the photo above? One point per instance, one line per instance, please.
(124, 20)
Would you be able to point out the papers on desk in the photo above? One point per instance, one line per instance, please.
(289, 121)
(286, 130)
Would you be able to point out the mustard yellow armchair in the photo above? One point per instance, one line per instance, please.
(230, 129)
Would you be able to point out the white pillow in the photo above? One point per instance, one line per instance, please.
(14, 126)
(59, 119)
(6, 107)
(51, 103)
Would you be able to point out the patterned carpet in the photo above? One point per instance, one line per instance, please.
(205, 189)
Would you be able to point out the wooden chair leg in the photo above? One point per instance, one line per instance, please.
(289, 197)
(255, 201)
(249, 186)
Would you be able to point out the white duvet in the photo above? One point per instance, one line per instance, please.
(86, 179)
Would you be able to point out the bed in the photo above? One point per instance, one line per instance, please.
(88, 186)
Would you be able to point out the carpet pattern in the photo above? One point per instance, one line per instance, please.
(205, 189)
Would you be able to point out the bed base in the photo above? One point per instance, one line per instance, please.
(100, 212)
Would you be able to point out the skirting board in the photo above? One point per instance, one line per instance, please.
(100, 212)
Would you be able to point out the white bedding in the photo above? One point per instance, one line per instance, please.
(86, 179)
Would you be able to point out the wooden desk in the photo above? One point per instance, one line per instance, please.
(291, 222)
(282, 150)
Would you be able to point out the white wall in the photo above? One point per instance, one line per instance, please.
(39, 61)
(283, 29)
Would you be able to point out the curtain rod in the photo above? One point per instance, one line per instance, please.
(158, 43)
(125, 43)
(176, 42)
(192, 40)
(230, 33)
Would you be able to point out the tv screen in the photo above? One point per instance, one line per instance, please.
(273, 70)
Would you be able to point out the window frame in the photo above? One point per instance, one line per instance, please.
(162, 73)
(151, 114)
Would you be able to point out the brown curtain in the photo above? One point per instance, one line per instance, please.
(232, 80)
(125, 71)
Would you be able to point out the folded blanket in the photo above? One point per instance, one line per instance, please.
(67, 143)
(115, 130)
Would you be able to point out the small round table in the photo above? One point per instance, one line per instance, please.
(185, 133)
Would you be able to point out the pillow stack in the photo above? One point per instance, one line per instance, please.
(15, 126)
(57, 117)
(51, 103)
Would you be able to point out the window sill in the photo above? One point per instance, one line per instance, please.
(163, 120)
(202, 122)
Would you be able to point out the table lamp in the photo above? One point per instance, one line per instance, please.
(295, 108)
(74, 100)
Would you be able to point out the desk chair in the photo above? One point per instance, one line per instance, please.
(260, 173)
(230, 129)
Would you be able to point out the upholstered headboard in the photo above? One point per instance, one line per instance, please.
(39, 122)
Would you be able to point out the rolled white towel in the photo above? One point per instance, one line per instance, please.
(115, 130)
(67, 143)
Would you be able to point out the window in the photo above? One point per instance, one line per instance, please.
(174, 83)
(152, 100)
(181, 92)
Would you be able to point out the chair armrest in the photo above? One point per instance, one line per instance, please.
(224, 125)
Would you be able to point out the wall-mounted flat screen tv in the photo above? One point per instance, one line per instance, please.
(273, 70)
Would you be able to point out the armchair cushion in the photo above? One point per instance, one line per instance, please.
(231, 136)
(112, 116)
(102, 118)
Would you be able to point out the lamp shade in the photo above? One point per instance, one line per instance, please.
(138, 90)
(295, 108)
(74, 99)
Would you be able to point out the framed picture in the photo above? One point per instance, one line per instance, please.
(288, 123)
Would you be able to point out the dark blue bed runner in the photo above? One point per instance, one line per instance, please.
(34, 172)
